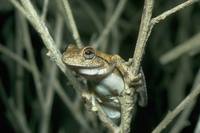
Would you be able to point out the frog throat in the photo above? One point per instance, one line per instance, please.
(93, 72)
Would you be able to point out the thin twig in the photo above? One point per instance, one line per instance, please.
(21, 118)
(15, 57)
(128, 102)
(9, 113)
(68, 13)
(167, 13)
(116, 40)
(143, 35)
(120, 7)
(144, 32)
(197, 127)
(58, 89)
(110, 125)
(110, 10)
(29, 49)
(92, 14)
(69, 104)
(52, 70)
(19, 7)
(183, 121)
(44, 9)
(128, 99)
(30, 13)
(172, 114)
(187, 47)
(20, 70)
(40, 27)
(16, 114)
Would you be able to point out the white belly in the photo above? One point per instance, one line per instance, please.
(112, 85)
(107, 90)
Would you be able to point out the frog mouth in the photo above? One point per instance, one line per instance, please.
(93, 71)
(78, 66)
(96, 71)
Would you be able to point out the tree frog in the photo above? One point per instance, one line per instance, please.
(105, 75)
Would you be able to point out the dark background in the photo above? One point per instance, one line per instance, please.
(167, 84)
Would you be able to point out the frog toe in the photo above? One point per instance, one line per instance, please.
(137, 78)
(136, 84)
(129, 62)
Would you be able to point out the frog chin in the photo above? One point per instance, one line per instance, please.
(82, 66)
(95, 73)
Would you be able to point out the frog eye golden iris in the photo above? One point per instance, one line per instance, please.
(88, 53)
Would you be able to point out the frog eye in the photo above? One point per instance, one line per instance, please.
(88, 53)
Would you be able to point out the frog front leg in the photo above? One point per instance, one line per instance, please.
(131, 80)
(89, 100)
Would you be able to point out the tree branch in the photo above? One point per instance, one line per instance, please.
(110, 23)
(147, 25)
(44, 10)
(73, 109)
(128, 99)
(143, 35)
(68, 13)
(52, 72)
(183, 119)
(172, 114)
(40, 27)
(189, 46)
(31, 57)
(167, 13)
(14, 112)
(19, 69)
(92, 14)
(15, 57)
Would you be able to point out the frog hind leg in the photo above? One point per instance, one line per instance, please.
(112, 110)
(139, 83)
(142, 91)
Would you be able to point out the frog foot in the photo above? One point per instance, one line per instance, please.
(89, 101)
(94, 106)
(129, 62)
(136, 81)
